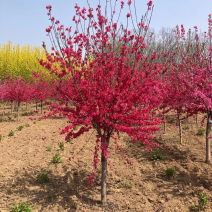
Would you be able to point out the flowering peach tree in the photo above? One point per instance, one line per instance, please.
(104, 78)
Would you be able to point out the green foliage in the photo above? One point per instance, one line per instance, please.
(206, 116)
(56, 159)
(186, 127)
(22, 207)
(0, 137)
(28, 113)
(11, 133)
(128, 184)
(69, 141)
(61, 146)
(1, 119)
(15, 115)
(20, 128)
(203, 201)
(49, 149)
(43, 177)
(157, 155)
(201, 132)
(170, 172)
(34, 122)
(26, 125)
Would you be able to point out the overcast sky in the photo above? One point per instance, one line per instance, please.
(25, 21)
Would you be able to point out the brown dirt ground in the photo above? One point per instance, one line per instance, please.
(25, 154)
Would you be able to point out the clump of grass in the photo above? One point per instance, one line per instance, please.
(22, 207)
(34, 122)
(170, 172)
(49, 149)
(203, 201)
(128, 184)
(11, 133)
(20, 128)
(157, 155)
(1, 119)
(206, 116)
(0, 137)
(26, 125)
(186, 127)
(56, 159)
(61, 146)
(43, 177)
(15, 115)
(201, 132)
(10, 118)
(69, 141)
(28, 113)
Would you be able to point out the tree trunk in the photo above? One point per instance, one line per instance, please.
(36, 105)
(18, 109)
(12, 107)
(104, 180)
(3, 108)
(164, 124)
(196, 119)
(180, 129)
(208, 143)
(104, 175)
(26, 105)
(41, 106)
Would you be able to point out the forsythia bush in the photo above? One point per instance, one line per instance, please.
(22, 61)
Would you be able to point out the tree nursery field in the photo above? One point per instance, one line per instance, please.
(110, 119)
(28, 174)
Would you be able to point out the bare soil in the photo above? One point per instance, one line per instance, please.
(143, 187)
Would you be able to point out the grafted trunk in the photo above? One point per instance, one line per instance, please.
(208, 143)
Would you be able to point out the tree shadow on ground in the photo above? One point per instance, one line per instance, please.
(64, 189)
(190, 172)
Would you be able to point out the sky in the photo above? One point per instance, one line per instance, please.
(25, 21)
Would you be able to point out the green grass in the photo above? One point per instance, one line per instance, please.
(56, 159)
(128, 184)
(61, 146)
(11, 133)
(170, 172)
(49, 148)
(157, 155)
(203, 201)
(22, 207)
(201, 132)
(43, 177)
(20, 128)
